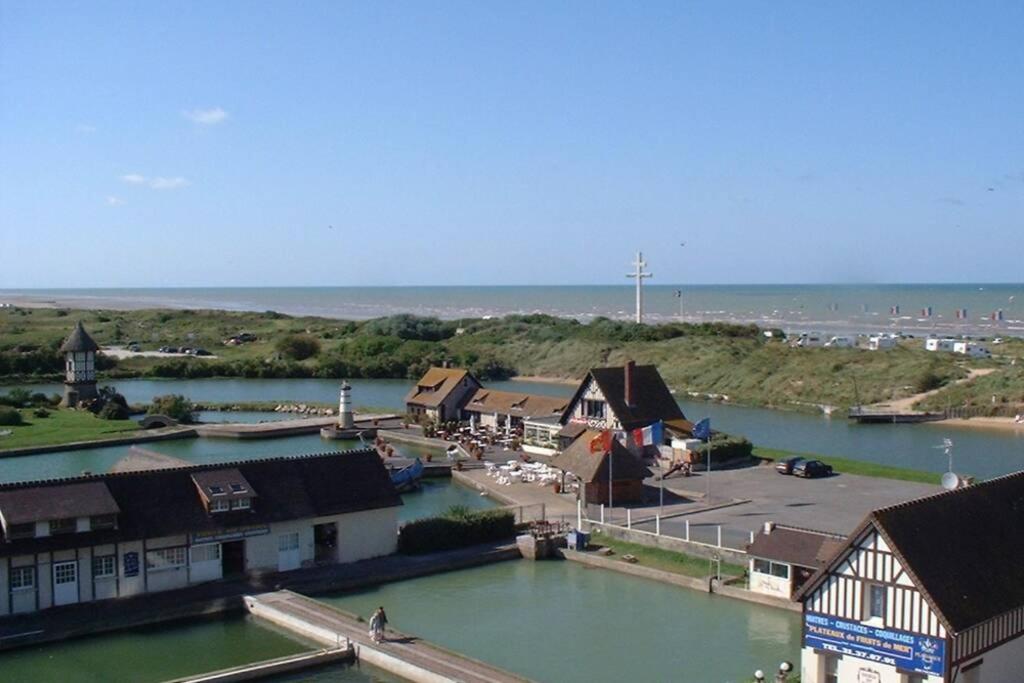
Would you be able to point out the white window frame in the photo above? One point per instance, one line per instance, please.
(869, 603)
(207, 552)
(104, 566)
(20, 584)
(281, 546)
(241, 504)
(163, 559)
(220, 505)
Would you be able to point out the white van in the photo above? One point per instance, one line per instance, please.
(841, 343)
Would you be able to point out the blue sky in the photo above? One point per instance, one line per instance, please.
(160, 143)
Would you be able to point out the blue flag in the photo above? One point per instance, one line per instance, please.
(702, 430)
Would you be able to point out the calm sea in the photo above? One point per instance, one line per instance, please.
(821, 308)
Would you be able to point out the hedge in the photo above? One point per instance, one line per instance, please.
(445, 533)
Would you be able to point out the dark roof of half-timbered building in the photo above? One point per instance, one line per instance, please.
(963, 549)
(79, 340)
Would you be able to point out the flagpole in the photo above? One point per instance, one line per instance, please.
(611, 505)
(707, 495)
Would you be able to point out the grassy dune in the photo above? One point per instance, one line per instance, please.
(730, 360)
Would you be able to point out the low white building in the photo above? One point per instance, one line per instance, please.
(971, 349)
(783, 558)
(116, 535)
(881, 342)
(927, 591)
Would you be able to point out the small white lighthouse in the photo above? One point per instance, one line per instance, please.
(345, 418)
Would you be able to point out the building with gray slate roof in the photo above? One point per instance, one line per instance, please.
(114, 535)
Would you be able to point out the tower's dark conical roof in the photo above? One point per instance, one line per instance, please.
(79, 340)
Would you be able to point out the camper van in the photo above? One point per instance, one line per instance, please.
(880, 342)
(971, 349)
(841, 343)
(935, 344)
(809, 340)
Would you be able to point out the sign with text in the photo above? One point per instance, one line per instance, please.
(908, 651)
(131, 564)
(228, 534)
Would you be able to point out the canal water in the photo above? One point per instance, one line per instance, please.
(562, 622)
(982, 453)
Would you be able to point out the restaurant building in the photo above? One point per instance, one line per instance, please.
(441, 394)
(927, 591)
(509, 409)
(622, 399)
(114, 535)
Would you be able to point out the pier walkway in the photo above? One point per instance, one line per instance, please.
(277, 428)
(406, 656)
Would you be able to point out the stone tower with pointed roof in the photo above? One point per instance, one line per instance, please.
(79, 351)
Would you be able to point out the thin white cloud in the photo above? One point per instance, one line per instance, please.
(114, 201)
(156, 182)
(85, 128)
(206, 117)
(167, 183)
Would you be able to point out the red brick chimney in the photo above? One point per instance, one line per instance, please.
(630, 370)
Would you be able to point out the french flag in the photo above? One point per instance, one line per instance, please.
(894, 310)
(926, 312)
(997, 315)
(651, 435)
(961, 314)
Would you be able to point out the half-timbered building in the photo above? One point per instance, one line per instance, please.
(925, 591)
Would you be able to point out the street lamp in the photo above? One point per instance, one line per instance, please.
(784, 669)
(758, 676)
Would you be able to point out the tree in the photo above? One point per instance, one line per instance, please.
(174, 406)
(298, 346)
(10, 417)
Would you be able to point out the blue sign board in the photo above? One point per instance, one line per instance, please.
(907, 651)
(131, 564)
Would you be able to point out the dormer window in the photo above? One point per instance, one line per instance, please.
(99, 522)
(16, 531)
(68, 525)
(223, 490)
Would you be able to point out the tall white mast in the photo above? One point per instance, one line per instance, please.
(640, 275)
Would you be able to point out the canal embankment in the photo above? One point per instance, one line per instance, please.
(147, 436)
(410, 657)
(208, 599)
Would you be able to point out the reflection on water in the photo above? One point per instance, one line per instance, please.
(558, 621)
(981, 453)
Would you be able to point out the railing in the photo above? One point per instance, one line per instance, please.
(533, 512)
(714, 536)
(984, 411)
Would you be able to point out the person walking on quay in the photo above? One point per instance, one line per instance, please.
(377, 623)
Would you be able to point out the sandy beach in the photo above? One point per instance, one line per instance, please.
(1004, 424)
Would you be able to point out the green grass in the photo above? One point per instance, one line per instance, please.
(665, 560)
(847, 466)
(735, 361)
(63, 426)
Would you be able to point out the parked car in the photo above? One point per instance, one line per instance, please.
(134, 347)
(812, 469)
(786, 465)
(199, 351)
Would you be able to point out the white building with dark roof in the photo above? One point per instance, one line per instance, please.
(115, 535)
(927, 591)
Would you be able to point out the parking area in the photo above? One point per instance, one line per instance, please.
(836, 503)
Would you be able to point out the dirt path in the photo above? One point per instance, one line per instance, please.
(905, 405)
